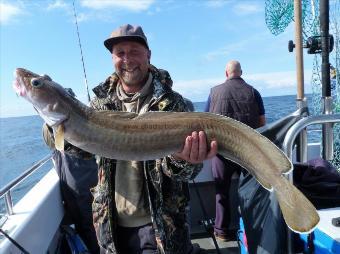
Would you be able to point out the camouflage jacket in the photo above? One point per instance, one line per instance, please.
(167, 180)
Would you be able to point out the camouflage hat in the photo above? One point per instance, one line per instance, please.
(126, 33)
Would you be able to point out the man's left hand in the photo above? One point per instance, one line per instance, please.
(196, 150)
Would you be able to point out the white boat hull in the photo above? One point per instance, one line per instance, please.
(36, 218)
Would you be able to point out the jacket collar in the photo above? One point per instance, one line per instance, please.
(234, 78)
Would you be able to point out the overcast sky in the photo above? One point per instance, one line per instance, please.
(193, 40)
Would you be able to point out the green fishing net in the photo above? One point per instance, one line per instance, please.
(334, 16)
(278, 15)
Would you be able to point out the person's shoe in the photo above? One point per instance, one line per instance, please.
(225, 238)
(196, 249)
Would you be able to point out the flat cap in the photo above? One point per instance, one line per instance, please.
(126, 33)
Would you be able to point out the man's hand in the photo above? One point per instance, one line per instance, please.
(196, 150)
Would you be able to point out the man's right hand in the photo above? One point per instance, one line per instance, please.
(195, 148)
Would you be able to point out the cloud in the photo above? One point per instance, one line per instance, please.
(227, 50)
(132, 5)
(216, 3)
(58, 4)
(222, 52)
(273, 80)
(276, 80)
(67, 7)
(243, 8)
(8, 12)
(267, 83)
(246, 8)
(196, 90)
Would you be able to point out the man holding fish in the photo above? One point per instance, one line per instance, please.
(136, 201)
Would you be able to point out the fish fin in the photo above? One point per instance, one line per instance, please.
(59, 137)
(298, 212)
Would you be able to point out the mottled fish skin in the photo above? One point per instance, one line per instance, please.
(128, 136)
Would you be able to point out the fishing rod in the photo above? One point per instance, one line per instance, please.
(206, 222)
(81, 53)
(15, 243)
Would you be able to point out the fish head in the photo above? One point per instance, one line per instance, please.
(46, 96)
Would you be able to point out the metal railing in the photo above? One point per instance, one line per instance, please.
(288, 144)
(302, 124)
(6, 191)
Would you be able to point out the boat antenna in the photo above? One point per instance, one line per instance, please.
(81, 53)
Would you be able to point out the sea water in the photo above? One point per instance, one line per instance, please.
(22, 144)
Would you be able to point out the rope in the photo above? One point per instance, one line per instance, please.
(81, 53)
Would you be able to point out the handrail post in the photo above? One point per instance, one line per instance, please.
(327, 132)
(299, 50)
(9, 203)
(301, 152)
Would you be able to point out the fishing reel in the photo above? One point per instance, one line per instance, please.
(313, 44)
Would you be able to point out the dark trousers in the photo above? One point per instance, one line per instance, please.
(222, 171)
(142, 240)
(77, 176)
(136, 240)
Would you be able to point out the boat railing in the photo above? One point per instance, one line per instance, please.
(6, 190)
(302, 124)
(288, 144)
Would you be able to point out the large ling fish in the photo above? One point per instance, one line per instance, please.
(128, 136)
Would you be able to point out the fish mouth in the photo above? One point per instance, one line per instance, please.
(18, 84)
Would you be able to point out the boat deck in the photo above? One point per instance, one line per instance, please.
(202, 197)
(207, 244)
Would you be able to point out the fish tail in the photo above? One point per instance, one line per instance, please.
(298, 212)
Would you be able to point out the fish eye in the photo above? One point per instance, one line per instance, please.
(36, 82)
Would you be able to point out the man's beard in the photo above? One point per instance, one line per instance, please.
(132, 78)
